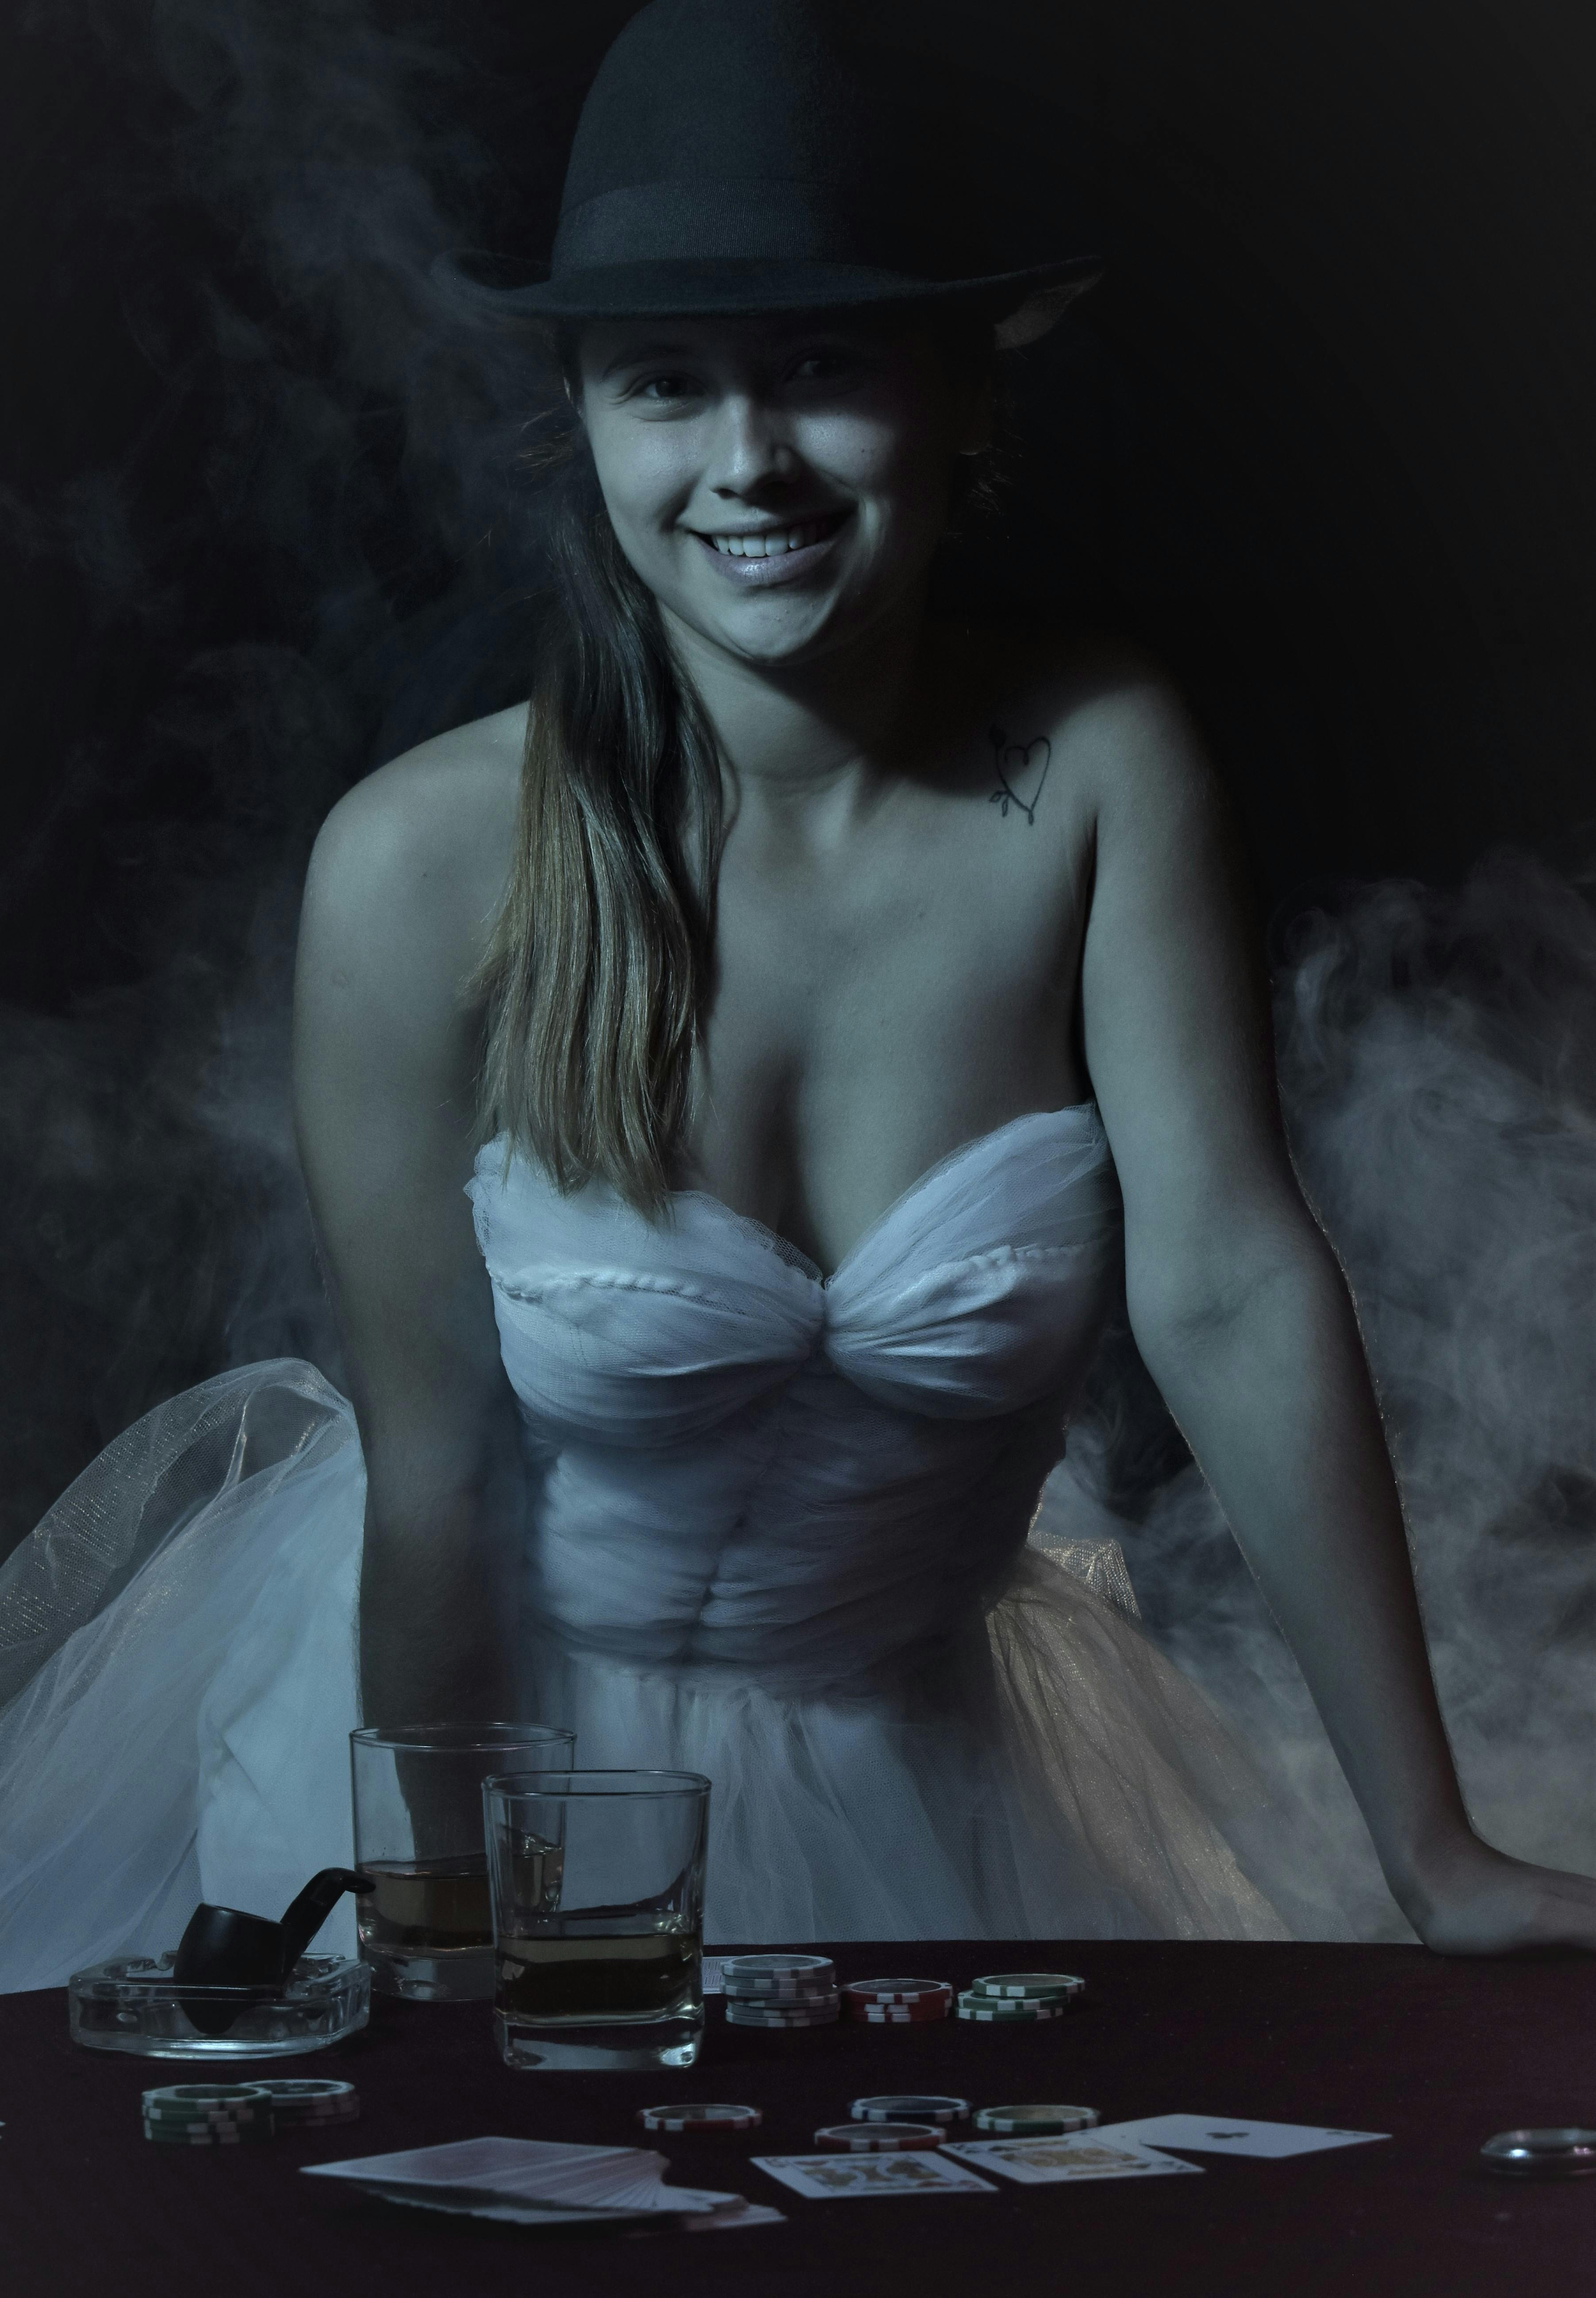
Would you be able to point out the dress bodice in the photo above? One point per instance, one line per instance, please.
(741, 1463)
(777, 1538)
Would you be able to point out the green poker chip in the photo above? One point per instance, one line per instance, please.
(261, 2113)
(1028, 1986)
(207, 2095)
(993, 2013)
(161, 2126)
(1034, 2121)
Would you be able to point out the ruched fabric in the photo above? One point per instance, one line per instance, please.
(778, 1534)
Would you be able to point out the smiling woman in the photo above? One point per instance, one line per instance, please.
(768, 493)
(732, 1089)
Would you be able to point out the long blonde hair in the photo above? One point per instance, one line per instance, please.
(600, 965)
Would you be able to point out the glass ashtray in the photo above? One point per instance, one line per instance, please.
(135, 2005)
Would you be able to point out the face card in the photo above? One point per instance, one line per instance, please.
(1208, 2134)
(1051, 2162)
(918, 2170)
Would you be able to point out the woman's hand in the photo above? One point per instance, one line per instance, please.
(1475, 1900)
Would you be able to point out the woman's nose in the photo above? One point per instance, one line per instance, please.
(747, 448)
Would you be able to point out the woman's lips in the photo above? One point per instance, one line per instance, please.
(782, 566)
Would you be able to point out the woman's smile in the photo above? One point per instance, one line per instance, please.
(759, 557)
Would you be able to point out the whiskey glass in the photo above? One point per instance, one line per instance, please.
(428, 1930)
(597, 1888)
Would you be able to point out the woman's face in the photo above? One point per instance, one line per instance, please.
(779, 485)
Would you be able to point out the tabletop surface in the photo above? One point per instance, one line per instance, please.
(1439, 2054)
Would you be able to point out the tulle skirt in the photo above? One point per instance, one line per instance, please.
(178, 1674)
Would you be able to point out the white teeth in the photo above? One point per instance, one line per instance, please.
(768, 546)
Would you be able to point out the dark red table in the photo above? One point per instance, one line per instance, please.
(1439, 2054)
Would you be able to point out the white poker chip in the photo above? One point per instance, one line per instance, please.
(821, 2015)
(690, 2115)
(768, 1970)
(878, 2137)
(905, 1991)
(896, 2106)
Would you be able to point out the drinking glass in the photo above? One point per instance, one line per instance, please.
(598, 1901)
(428, 1930)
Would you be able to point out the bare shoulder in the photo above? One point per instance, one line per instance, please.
(1117, 725)
(412, 863)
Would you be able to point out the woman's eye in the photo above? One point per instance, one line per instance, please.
(665, 386)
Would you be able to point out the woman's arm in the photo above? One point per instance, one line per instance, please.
(401, 887)
(1244, 1318)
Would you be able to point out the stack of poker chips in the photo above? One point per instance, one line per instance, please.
(311, 2103)
(235, 2114)
(1019, 1997)
(780, 1991)
(897, 2001)
(209, 2115)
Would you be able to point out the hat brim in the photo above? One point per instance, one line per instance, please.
(1030, 298)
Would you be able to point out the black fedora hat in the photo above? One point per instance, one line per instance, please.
(747, 156)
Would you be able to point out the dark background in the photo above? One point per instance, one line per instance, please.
(1322, 438)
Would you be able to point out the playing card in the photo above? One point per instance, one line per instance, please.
(523, 2175)
(1047, 2161)
(714, 1981)
(1207, 2134)
(918, 2170)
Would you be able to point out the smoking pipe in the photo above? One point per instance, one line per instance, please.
(223, 1948)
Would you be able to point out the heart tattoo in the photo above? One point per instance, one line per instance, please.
(1012, 763)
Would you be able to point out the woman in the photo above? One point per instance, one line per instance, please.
(823, 981)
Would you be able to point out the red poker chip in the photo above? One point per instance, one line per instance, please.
(878, 2137)
(906, 1991)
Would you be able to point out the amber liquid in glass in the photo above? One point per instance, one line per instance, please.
(643, 1975)
(426, 1907)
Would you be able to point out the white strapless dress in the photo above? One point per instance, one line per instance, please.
(777, 1535)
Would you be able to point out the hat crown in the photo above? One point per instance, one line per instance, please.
(699, 89)
(752, 130)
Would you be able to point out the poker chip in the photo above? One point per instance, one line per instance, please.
(1035, 2121)
(822, 2013)
(691, 2116)
(878, 2137)
(311, 2103)
(901, 2015)
(778, 1999)
(908, 2107)
(1028, 1987)
(770, 1998)
(207, 2098)
(757, 1973)
(905, 1993)
(208, 2114)
(997, 2013)
(1567, 2153)
(207, 2134)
